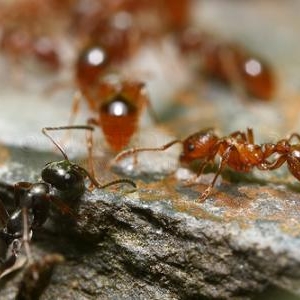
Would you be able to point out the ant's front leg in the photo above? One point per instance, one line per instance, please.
(222, 164)
(150, 108)
(90, 147)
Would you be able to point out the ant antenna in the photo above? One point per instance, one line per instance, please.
(46, 129)
(132, 151)
(123, 180)
(92, 178)
(99, 186)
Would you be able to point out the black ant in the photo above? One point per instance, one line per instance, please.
(237, 151)
(62, 183)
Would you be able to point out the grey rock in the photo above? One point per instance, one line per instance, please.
(158, 243)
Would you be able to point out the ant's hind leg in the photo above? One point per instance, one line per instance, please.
(90, 146)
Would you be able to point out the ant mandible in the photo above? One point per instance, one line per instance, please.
(237, 151)
(62, 183)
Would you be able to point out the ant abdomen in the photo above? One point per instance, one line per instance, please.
(293, 162)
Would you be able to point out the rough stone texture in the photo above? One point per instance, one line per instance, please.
(158, 243)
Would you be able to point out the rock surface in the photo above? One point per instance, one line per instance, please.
(159, 243)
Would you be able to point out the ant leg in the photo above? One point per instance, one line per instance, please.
(7, 265)
(150, 109)
(19, 189)
(75, 107)
(192, 181)
(11, 264)
(90, 146)
(222, 164)
(95, 182)
(247, 137)
(118, 181)
(74, 112)
(26, 234)
(240, 134)
(274, 165)
(250, 135)
(133, 151)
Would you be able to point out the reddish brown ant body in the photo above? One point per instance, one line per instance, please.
(27, 30)
(230, 63)
(118, 106)
(117, 102)
(237, 151)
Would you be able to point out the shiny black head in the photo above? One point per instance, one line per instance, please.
(66, 178)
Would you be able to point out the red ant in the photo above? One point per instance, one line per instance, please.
(27, 32)
(237, 151)
(116, 30)
(118, 105)
(230, 63)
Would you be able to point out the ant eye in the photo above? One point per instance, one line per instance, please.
(191, 147)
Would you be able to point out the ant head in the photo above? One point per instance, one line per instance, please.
(198, 146)
(120, 106)
(66, 178)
